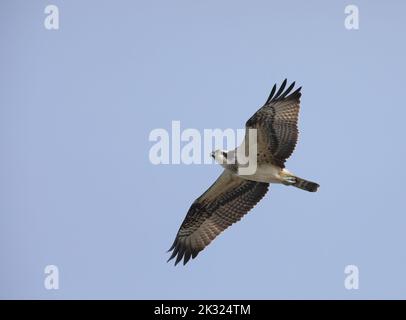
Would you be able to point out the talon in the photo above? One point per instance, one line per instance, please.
(291, 180)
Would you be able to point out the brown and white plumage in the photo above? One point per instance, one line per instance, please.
(232, 195)
(223, 204)
(276, 124)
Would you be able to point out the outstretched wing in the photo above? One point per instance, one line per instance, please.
(223, 204)
(276, 124)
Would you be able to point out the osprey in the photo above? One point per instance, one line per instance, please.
(233, 194)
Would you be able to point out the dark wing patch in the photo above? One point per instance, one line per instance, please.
(223, 204)
(276, 124)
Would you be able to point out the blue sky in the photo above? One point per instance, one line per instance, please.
(77, 189)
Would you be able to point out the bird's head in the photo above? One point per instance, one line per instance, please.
(220, 156)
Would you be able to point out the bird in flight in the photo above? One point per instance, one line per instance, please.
(234, 193)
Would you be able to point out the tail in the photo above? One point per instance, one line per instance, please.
(305, 185)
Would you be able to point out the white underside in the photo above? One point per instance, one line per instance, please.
(266, 173)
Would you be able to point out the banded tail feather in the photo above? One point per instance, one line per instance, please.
(306, 185)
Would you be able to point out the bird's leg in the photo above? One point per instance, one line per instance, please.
(287, 177)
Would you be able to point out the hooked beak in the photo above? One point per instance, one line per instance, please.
(212, 155)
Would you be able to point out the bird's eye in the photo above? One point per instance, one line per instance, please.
(224, 154)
